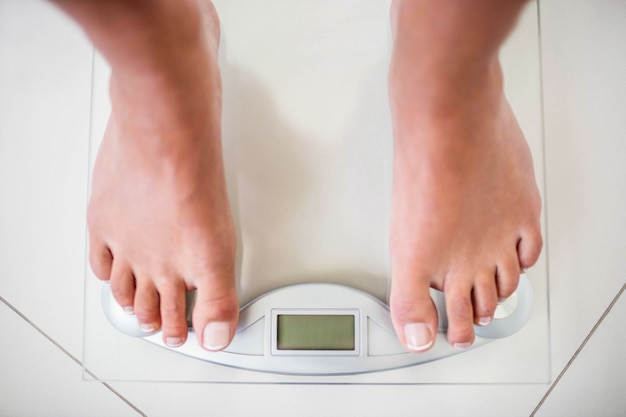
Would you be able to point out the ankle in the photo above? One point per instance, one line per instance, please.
(446, 53)
(435, 99)
(442, 85)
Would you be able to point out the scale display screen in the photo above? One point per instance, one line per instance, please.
(316, 332)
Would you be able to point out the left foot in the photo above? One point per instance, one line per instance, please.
(466, 208)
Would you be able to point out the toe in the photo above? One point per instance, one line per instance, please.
(215, 312)
(484, 298)
(173, 312)
(460, 313)
(413, 313)
(123, 285)
(529, 247)
(100, 259)
(507, 275)
(147, 305)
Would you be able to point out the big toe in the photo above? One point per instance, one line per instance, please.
(413, 313)
(215, 313)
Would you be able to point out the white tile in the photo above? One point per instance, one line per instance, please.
(45, 74)
(594, 384)
(44, 114)
(37, 378)
(166, 399)
(584, 62)
(585, 99)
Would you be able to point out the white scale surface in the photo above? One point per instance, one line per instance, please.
(307, 141)
(325, 329)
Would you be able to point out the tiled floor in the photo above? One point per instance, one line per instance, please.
(45, 75)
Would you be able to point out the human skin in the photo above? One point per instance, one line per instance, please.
(465, 204)
(465, 214)
(159, 219)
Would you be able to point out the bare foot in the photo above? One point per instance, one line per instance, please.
(159, 216)
(466, 208)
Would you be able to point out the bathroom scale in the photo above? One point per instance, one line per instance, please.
(324, 329)
(307, 145)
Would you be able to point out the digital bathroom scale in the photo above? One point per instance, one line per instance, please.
(306, 135)
(324, 329)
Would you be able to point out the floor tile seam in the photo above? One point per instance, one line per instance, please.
(544, 171)
(580, 349)
(69, 354)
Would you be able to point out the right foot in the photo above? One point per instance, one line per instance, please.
(159, 218)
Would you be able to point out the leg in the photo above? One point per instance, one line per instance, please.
(465, 214)
(159, 218)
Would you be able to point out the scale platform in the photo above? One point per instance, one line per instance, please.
(307, 150)
(321, 329)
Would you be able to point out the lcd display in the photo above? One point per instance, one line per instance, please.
(315, 332)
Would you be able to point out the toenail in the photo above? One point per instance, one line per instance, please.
(129, 310)
(216, 335)
(148, 327)
(173, 341)
(483, 321)
(462, 346)
(418, 336)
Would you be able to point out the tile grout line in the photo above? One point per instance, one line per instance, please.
(544, 161)
(580, 348)
(72, 357)
(545, 185)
